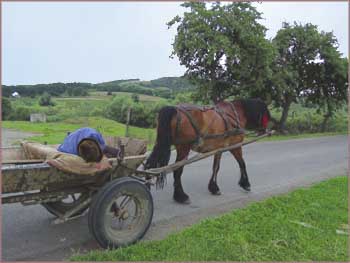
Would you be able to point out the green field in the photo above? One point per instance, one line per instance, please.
(70, 113)
(54, 133)
(143, 98)
(66, 107)
(309, 224)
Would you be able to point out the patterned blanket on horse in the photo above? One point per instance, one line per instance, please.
(66, 162)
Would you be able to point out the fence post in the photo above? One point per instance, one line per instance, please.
(128, 115)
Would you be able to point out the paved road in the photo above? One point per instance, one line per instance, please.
(273, 167)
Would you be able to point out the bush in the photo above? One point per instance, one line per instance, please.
(20, 114)
(135, 97)
(162, 92)
(45, 100)
(308, 120)
(183, 98)
(6, 108)
(142, 114)
(117, 109)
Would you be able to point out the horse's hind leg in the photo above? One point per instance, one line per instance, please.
(213, 186)
(243, 182)
(179, 194)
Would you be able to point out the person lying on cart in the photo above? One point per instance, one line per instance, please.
(88, 144)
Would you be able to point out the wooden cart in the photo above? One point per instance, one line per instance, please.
(120, 204)
(119, 199)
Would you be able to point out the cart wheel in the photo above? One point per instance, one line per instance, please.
(121, 213)
(60, 207)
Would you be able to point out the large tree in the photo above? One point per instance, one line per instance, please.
(328, 82)
(223, 48)
(307, 67)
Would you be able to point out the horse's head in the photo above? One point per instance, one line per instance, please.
(256, 113)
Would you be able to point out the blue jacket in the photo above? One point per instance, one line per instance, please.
(71, 142)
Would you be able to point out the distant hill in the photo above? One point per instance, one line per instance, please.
(115, 82)
(165, 87)
(54, 89)
(174, 83)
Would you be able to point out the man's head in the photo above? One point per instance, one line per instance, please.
(90, 150)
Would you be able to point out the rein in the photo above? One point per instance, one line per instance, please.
(200, 136)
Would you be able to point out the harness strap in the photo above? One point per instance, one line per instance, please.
(236, 119)
(223, 116)
(192, 121)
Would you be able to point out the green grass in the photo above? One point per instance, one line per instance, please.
(279, 137)
(143, 98)
(95, 106)
(299, 226)
(54, 133)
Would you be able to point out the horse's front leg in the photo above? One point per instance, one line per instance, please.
(179, 194)
(244, 181)
(213, 186)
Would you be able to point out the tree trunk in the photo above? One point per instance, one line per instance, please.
(326, 118)
(282, 122)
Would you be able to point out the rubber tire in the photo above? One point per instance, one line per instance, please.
(60, 207)
(100, 204)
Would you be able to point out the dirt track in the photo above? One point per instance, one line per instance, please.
(9, 136)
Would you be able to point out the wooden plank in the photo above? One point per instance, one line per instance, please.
(23, 161)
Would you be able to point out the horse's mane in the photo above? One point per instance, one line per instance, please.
(254, 109)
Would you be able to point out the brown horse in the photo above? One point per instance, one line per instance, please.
(204, 129)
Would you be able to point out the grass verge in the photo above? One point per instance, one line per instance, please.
(278, 137)
(304, 225)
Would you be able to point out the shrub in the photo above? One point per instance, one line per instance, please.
(6, 108)
(20, 114)
(45, 100)
(142, 114)
(135, 97)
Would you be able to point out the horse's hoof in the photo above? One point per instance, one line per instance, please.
(245, 187)
(187, 202)
(182, 199)
(216, 193)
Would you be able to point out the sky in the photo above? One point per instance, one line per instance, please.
(96, 42)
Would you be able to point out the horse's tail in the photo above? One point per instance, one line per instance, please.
(160, 155)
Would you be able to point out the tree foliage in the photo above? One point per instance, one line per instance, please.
(54, 89)
(328, 89)
(223, 48)
(308, 67)
(6, 108)
(142, 115)
(45, 100)
(135, 97)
